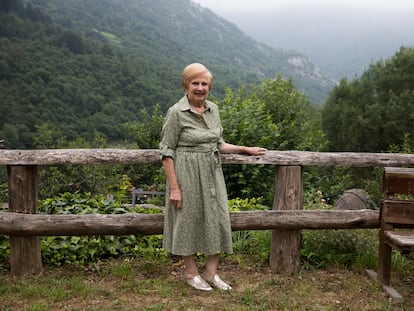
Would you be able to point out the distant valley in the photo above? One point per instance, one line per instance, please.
(342, 42)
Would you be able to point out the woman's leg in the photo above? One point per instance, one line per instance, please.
(212, 265)
(191, 274)
(210, 275)
(190, 270)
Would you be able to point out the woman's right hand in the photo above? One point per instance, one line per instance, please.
(175, 191)
(175, 197)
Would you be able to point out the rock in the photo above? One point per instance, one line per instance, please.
(354, 199)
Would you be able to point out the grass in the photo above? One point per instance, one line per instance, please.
(332, 278)
(137, 284)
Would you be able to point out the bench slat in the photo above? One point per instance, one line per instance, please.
(402, 238)
(398, 180)
(398, 212)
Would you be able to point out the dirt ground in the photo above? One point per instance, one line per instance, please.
(161, 287)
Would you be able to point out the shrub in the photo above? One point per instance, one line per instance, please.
(346, 248)
(83, 250)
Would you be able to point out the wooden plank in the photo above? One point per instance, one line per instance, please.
(398, 212)
(398, 180)
(402, 238)
(135, 223)
(148, 156)
(372, 274)
(391, 292)
(398, 170)
(399, 186)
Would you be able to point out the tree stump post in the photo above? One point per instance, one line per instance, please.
(25, 255)
(285, 244)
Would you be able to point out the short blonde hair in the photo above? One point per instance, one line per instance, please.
(192, 71)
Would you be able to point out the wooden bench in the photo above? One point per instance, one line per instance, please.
(396, 218)
(143, 194)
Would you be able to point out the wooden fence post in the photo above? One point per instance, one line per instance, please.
(285, 244)
(25, 255)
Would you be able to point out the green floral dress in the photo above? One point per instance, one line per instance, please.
(203, 222)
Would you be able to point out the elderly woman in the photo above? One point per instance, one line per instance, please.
(197, 219)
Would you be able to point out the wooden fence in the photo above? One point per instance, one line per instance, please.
(286, 219)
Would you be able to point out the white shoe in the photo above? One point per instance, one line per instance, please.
(217, 282)
(199, 283)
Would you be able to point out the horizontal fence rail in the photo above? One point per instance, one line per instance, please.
(149, 156)
(130, 223)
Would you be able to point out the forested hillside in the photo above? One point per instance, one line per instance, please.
(177, 32)
(375, 112)
(83, 69)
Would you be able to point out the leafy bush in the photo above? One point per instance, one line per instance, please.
(320, 248)
(346, 248)
(83, 250)
(356, 249)
(285, 119)
(3, 192)
(86, 249)
(251, 242)
(4, 247)
(249, 204)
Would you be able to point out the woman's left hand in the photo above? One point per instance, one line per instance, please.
(255, 150)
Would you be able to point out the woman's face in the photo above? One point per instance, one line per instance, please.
(198, 88)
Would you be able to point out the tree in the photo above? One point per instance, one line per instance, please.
(72, 41)
(375, 111)
(274, 115)
(11, 6)
(147, 134)
(43, 138)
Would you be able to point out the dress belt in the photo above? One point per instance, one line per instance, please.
(214, 152)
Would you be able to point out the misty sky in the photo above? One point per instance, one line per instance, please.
(342, 37)
(266, 5)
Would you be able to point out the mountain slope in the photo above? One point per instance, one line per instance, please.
(177, 32)
(64, 86)
(80, 70)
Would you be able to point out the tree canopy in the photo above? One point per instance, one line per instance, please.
(274, 115)
(376, 111)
